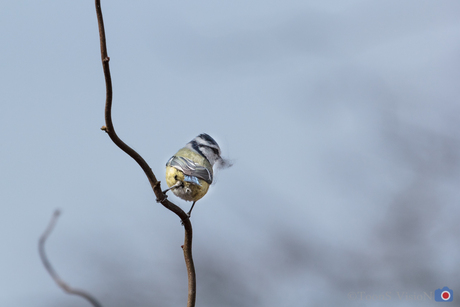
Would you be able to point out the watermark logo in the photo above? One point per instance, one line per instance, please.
(440, 295)
(444, 295)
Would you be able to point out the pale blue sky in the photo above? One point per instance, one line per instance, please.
(342, 118)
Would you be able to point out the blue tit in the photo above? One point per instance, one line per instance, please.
(190, 171)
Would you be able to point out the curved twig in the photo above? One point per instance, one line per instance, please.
(52, 272)
(187, 247)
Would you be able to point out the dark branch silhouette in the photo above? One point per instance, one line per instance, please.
(52, 272)
(161, 197)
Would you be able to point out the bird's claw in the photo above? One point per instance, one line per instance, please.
(164, 198)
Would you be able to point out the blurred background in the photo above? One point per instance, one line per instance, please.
(341, 117)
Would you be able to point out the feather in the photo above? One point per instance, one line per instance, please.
(190, 168)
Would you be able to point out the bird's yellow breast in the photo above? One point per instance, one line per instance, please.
(187, 191)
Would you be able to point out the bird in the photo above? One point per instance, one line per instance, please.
(189, 173)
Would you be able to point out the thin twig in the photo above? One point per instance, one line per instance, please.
(109, 129)
(52, 272)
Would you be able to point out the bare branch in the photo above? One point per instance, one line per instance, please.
(110, 130)
(52, 272)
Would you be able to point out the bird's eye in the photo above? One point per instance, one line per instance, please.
(215, 150)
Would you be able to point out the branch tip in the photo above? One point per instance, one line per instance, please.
(49, 268)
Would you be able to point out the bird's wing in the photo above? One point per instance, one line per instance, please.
(190, 168)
